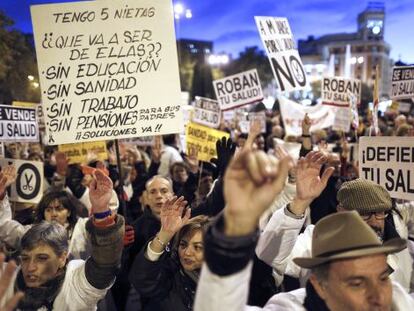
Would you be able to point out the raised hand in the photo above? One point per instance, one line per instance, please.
(172, 219)
(7, 177)
(100, 192)
(6, 280)
(306, 125)
(225, 151)
(251, 183)
(156, 150)
(254, 131)
(61, 163)
(308, 183)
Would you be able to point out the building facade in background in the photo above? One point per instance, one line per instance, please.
(352, 54)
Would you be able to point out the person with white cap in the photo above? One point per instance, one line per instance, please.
(348, 261)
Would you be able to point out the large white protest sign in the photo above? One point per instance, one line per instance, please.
(108, 69)
(28, 186)
(321, 116)
(238, 90)
(342, 120)
(402, 82)
(207, 112)
(335, 91)
(18, 124)
(283, 55)
(389, 163)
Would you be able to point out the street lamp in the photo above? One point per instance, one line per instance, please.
(180, 10)
(218, 59)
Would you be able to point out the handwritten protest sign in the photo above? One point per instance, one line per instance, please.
(37, 106)
(207, 112)
(335, 91)
(322, 116)
(202, 140)
(342, 120)
(389, 163)
(28, 187)
(82, 152)
(402, 82)
(283, 55)
(108, 69)
(18, 124)
(238, 90)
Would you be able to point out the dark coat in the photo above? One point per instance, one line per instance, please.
(162, 283)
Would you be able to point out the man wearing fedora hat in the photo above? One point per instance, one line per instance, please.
(348, 261)
(281, 239)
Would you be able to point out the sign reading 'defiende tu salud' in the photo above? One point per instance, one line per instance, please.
(389, 163)
(108, 69)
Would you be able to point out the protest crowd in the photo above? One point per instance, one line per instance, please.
(244, 209)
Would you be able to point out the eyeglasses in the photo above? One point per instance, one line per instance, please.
(377, 215)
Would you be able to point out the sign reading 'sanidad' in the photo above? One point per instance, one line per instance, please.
(108, 69)
(281, 50)
(238, 90)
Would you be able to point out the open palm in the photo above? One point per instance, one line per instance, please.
(172, 219)
(7, 177)
(309, 184)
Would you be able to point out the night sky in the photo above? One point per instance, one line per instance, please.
(230, 23)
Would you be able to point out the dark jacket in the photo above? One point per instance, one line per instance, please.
(162, 283)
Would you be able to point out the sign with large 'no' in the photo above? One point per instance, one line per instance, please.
(283, 55)
(28, 187)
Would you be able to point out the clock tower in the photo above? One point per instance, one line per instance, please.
(371, 22)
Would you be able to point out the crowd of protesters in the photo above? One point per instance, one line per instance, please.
(253, 228)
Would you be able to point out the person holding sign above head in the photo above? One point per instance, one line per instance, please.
(48, 280)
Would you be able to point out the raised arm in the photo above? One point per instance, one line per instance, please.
(147, 271)
(106, 234)
(277, 241)
(10, 230)
(252, 181)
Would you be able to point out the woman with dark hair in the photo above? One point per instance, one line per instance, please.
(61, 207)
(168, 280)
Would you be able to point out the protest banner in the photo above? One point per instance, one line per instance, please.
(202, 140)
(404, 107)
(238, 90)
(108, 69)
(389, 163)
(37, 106)
(18, 124)
(83, 152)
(281, 50)
(342, 121)
(402, 82)
(335, 91)
(322, 116)
(139, 141)
(28, 187)
(207, 112)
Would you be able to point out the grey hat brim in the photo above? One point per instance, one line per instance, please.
(389, 247)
